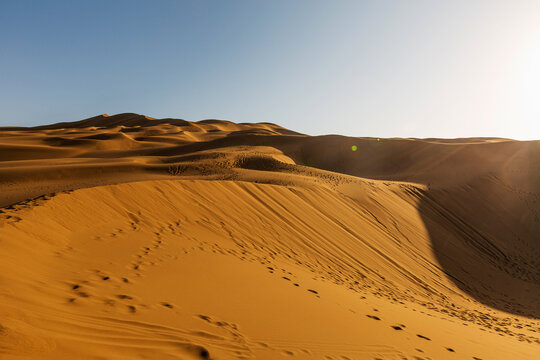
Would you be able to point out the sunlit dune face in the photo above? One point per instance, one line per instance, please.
(164, 238)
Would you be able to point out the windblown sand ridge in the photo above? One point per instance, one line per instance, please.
(221, 240)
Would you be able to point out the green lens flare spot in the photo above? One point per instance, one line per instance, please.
(354, 148)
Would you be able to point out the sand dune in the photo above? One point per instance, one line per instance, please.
(127, 237)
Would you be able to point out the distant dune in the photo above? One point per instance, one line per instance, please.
(128, 237)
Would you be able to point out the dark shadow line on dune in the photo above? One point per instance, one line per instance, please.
(493, 262)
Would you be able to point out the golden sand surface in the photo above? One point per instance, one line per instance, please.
(128, 237)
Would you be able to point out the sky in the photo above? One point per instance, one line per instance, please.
(415, 68)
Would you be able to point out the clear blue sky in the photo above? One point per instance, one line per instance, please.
(359, 68)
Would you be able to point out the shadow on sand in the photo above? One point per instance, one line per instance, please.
(481, 209)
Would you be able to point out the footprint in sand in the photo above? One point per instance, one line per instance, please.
(124, 297)
(77, 289)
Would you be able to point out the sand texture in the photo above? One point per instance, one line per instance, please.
(127, 237)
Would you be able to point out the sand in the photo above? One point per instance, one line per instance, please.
(127, 237)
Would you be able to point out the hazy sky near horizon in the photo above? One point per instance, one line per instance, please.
(414, 68)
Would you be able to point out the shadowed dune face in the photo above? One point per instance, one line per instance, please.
(481, 206)
(492, 221)
(449, 228)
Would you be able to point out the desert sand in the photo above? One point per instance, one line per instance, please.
(127, 237)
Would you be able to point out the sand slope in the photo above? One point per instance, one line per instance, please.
(223, 241)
